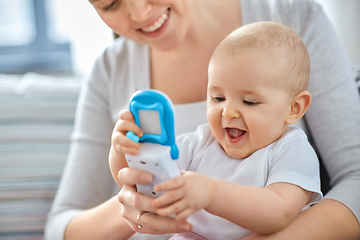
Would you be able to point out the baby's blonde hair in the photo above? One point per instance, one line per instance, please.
(278, 41)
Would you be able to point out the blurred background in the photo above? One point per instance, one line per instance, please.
(50, 36)
(62, 36)
(46, 47)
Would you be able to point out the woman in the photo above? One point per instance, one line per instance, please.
(166, 45)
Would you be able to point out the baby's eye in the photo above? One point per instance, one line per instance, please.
(218, 99)
(250, 103)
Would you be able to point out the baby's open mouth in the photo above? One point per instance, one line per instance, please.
(234, 132)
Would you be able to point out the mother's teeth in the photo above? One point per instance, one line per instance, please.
(156, 25)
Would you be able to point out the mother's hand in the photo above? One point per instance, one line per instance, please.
(135, 203)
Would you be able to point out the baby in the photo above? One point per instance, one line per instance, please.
(247, 170)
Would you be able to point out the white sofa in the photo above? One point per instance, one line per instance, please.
(36, 121)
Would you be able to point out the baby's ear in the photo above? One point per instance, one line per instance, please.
(298, 107)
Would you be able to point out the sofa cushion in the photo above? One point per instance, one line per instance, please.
(36, 121)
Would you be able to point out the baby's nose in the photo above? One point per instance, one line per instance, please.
(230, 112)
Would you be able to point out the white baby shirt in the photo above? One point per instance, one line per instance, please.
(291, 159)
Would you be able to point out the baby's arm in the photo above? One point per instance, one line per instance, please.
(121, 145)
(261, 210)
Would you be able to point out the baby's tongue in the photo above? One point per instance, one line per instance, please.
(235, 133)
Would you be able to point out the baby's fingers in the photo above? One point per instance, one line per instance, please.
(168, 198)
(184, 214)
(126, 115)
(173, 209)
(170, 184)
(125, 125)
(123, 144)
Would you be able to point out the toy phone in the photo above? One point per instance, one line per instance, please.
(153, 112)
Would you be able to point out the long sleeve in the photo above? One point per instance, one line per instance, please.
(86, 181)
(334, 116)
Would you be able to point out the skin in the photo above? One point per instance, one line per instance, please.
(329, 219)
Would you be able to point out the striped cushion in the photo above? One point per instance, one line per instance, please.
(36, 121)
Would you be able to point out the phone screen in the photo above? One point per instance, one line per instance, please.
(150, 121)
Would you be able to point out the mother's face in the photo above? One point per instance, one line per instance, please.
(162, 24)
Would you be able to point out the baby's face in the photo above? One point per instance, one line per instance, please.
(244, 111)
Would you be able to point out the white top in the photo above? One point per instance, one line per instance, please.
(332, 119)
(290, 159)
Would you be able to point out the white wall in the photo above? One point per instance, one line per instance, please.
(88, 34)
(345, 16)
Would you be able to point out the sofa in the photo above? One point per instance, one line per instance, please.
(36, 121)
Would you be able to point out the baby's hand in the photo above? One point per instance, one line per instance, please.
(121, 143)
(186, 195)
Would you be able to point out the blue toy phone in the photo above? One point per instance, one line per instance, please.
(153, 112)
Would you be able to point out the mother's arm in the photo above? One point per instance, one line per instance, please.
(326, 220)
(105, 218)
(86, 184)
(113, 220)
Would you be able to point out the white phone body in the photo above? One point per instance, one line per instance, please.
(153, 158)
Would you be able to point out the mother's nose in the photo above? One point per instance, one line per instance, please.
(139, 9)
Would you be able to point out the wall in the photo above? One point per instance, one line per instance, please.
(88, 34)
